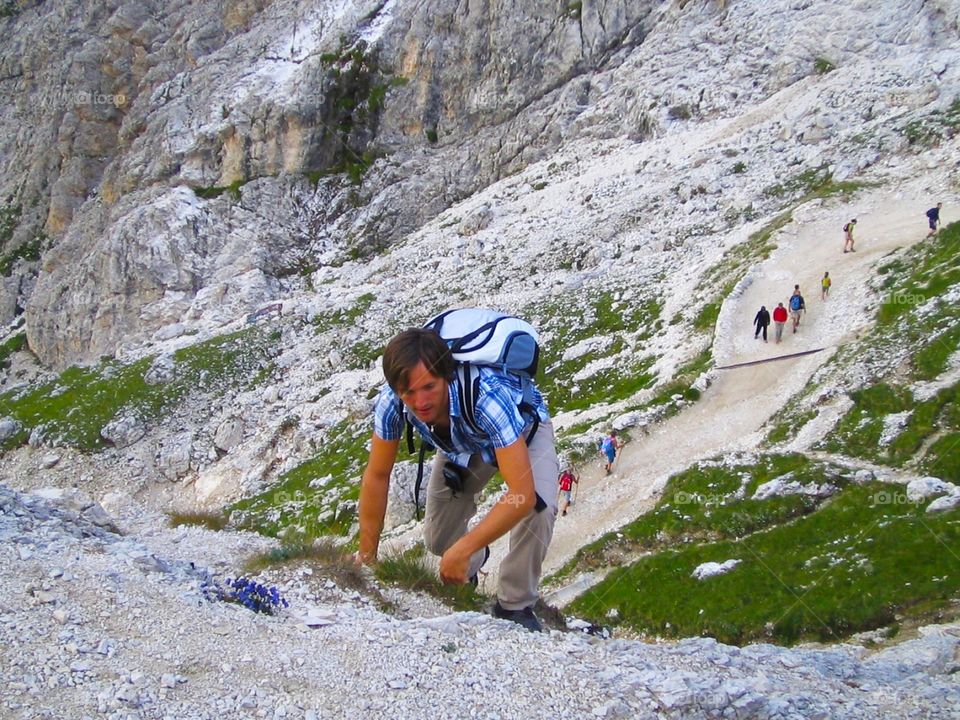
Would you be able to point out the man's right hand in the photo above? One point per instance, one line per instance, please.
(365, 558)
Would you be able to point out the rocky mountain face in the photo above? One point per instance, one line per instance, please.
(147, 105)
(184, 162)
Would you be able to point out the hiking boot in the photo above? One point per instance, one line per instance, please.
(475, 578)
(524, 617)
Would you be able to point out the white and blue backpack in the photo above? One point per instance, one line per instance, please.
(479, 337)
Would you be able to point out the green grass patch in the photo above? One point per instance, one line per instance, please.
(708, 502)
(29, 251)
(822, 66)
(789, 426)
(732, 267)
(942, 459)
(860, 432)
(318, 497)
(73, 409)
(848, 567)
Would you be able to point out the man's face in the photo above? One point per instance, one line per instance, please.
(426, 395)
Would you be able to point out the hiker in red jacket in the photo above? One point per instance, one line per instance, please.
(779, 320)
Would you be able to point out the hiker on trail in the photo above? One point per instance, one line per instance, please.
(848, 236)
(825, 286)
(566, 481)
(761, 320)
(609, 449)
(933, 217)
(797, 306)
(425, 390)
(779, 320)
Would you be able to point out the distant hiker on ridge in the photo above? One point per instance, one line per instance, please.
(425, 391)
(761, 321)
(848, 236)
(933, 216)
(779, 320)
(825, 286)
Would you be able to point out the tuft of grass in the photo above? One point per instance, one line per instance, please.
(813, 183)
(411, 572)
(323, 554)
(344, 318)
(211, 520)
(210, 193)
(822, 66)
(853, 565)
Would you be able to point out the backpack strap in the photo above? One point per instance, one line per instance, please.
(425, 447)
(419, 482)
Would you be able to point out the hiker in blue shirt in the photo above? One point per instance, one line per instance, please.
(609, 448)
(419, 371)
(797, 306)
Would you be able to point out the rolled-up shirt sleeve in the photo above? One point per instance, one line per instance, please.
(387, 417)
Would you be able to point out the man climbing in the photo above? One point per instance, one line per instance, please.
(933, 219)
(848, 235)
(567, 481)
(420, 371)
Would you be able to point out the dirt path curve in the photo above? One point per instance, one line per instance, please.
(731, 412)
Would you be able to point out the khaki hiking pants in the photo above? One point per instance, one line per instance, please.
(447, 517)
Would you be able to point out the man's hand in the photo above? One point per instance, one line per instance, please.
(362, 558)
(453, 567)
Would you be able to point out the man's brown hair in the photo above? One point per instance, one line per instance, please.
(411, 347)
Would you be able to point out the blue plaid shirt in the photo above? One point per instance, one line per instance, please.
(496, 412)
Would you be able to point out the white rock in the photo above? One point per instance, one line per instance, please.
(928, 487)
(709, 569)
(942, 504)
